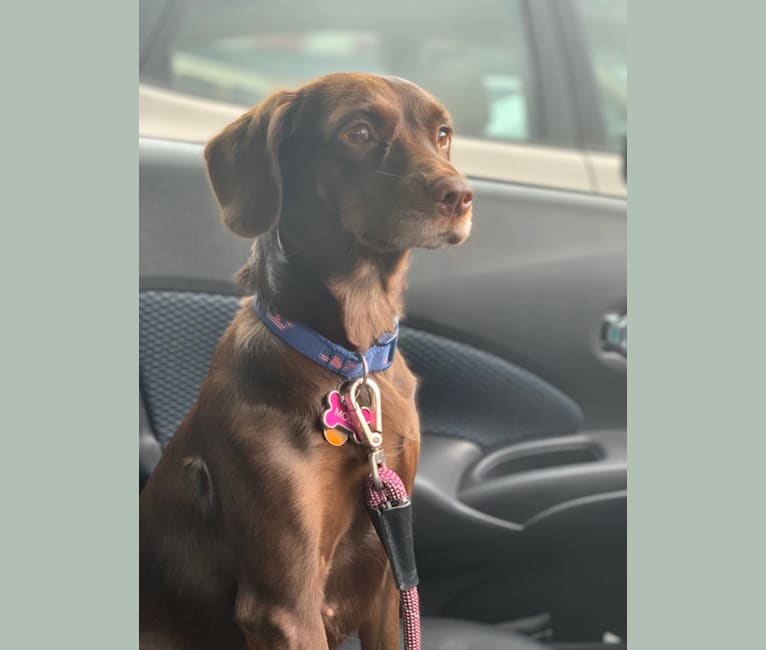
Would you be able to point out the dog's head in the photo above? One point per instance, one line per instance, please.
(347, 155)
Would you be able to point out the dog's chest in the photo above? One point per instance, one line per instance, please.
(355, 560)
(355, 580)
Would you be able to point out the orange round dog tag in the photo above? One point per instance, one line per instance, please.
(335, 437)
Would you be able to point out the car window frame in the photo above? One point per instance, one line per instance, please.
(151, 15)
(584, 88)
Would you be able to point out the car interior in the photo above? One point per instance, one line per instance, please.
(518, 338)
(520, 496)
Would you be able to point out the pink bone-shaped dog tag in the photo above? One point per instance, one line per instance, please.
(340, 416)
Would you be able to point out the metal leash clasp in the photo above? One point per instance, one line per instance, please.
(372, 436)
(377, 460)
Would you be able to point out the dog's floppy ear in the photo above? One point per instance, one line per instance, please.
(243, 166)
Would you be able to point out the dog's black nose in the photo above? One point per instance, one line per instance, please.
(453, 195)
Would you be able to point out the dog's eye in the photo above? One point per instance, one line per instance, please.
(444, 137)
(357, 134)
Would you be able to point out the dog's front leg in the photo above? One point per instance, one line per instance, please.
(381, 630)
(295, 624)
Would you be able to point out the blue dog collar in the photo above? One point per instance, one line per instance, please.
(327, 354)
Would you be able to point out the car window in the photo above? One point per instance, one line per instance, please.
(605, 23)
(472, 54)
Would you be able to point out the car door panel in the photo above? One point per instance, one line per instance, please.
(532, 284)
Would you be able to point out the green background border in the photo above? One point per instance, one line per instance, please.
(68, 459)
(696, 291)
(69, 570)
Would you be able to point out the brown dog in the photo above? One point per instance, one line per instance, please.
(253, 529)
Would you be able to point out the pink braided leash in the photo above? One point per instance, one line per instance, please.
(409, 605)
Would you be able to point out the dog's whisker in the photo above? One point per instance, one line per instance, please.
(378, 171)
